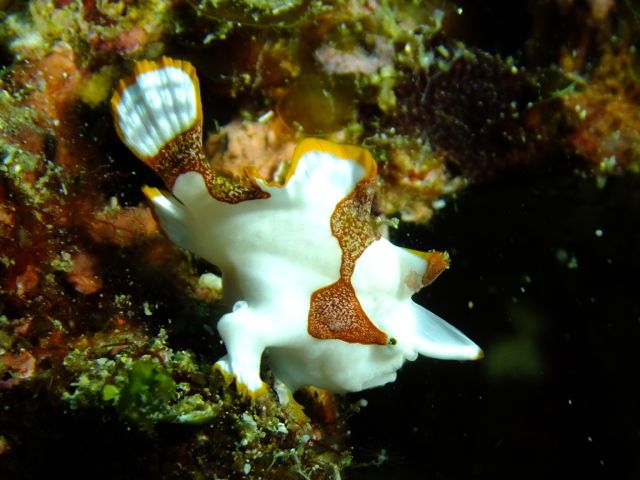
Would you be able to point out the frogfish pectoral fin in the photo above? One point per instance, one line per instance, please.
(438, 339)
(171, 214)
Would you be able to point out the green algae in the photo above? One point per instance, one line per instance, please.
(149, 388)
(149, 385)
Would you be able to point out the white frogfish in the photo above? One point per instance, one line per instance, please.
(307, 279)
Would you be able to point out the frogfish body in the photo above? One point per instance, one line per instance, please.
(307, 278)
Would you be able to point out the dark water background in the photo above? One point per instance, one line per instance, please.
(551, 264)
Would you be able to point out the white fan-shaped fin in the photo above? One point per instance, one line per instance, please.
(159, 105)
(438, 339)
